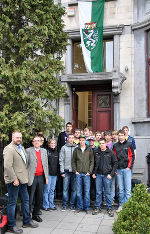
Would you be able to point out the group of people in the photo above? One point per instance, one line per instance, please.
(99, 163)
(79, 166)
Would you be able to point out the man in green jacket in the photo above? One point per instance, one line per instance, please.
(82, 166)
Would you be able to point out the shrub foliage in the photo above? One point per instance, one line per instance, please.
(135, 215)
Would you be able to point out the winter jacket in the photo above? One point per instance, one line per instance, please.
(53, 161)
(62, 139)
(65, 157)
(105, 162)
(125, 154)
(83, 162)
(132, 141)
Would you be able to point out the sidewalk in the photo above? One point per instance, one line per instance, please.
(68, 222)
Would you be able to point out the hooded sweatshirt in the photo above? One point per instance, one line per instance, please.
(65, 157)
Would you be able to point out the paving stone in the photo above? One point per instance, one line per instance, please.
(88, 228)
(78, 232)
(105, 230)
(107, 222)
(39, 230)
(74, 219)
(93, 219)
(58, 222)
(69, 226)
(52, 218)
(61, 231)
(48, 224)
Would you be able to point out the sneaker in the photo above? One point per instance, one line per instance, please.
(63, 209)
(53, 208)
(96, 211)
(87, 211)
(77, 211)
(104, 203)
(37, 218)
(46, 209)
(110, 212)
(119, 209)
(72, 208)
(30, 225)
(15, 229)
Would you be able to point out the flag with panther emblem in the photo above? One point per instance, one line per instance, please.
(91, 16)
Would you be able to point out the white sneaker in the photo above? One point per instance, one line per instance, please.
(119, 209)
(63, 209)
(72, 208)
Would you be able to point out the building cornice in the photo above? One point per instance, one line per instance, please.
(117, 79)
(75, 2)
(140, 25)
(107, 31)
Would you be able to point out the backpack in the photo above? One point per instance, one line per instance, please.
(3, 214)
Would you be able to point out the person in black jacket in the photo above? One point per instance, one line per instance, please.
(53, 162)
(125, 154)
(104, 169)
(62, 140)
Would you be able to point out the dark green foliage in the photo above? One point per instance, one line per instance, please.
(135, 215)
(32, 42)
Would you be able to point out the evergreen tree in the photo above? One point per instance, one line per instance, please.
(32, 42)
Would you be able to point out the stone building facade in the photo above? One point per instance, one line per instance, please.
(120, 95)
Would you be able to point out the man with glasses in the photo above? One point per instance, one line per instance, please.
(38, 175)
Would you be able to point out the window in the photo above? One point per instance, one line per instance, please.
(78, 62)
(148, 71)
(108, 58)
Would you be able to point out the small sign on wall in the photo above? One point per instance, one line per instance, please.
(70, 11)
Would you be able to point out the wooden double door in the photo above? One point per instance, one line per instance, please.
(102, 111)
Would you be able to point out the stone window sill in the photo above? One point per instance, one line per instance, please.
(140, 120)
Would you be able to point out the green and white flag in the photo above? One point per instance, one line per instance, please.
(91, 16)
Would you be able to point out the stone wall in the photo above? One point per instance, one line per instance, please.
(115, 12)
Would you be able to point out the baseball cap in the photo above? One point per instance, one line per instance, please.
(91, 138)
(82, 136)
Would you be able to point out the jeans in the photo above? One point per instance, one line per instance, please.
(114, 191)
(13, 192)
(101, 180)
(48, 193)
(83, 180)
(93, 188)
(124, 182)
(70, 178)
(59, 187)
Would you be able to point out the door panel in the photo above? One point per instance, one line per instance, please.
(103, 120)
(102, 111)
